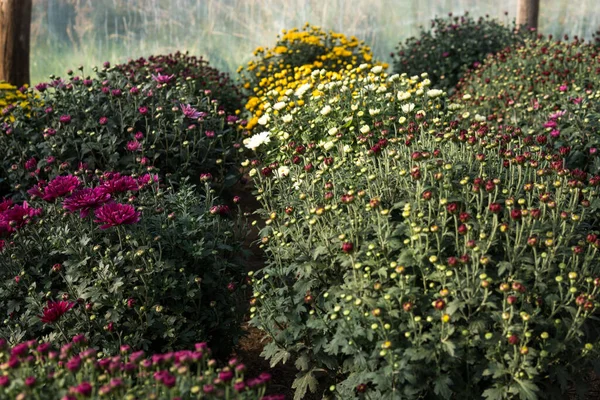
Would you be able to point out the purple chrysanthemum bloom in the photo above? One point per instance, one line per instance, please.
(118, 183)
(134, 145)
(60, 186)
(189, 112)
(31, 164)
(17, 216)
(115, 214)
(65, 119)
(41, 87)
(162, 79)
(85, 200)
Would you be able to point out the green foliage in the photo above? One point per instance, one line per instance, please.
(453, 45)
(417, 250)
(162, 283)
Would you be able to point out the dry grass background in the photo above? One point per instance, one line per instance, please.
(68, 33)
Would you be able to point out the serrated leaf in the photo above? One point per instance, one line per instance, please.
(527, 389)
(302, 383)
(441, 386)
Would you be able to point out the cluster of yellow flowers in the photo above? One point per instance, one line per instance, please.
(280, 71)
(9, 94)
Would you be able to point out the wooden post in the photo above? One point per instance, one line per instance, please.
(15, 32)
(527, 13)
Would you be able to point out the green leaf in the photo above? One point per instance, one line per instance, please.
(302, 383)
(527, 389)
(495, 393)
(449, 347)
(441, 386)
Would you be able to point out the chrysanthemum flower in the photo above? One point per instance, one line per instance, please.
(86, 199)
(59, 187)
(54, 310)
(189, 112)
(117, 183)
(115, 214)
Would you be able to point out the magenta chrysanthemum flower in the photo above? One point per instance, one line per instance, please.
(60, 186)
(189, 112)
(162, 79)
(54, 310)
(85, 200)
(134, 145)
(65, 119)
(5, 204)
(16, 217)
(31, 164)
(115, 214)
(117, 183)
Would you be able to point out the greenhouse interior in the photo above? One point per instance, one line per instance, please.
(299, 199)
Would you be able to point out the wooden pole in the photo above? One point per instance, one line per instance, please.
(15, 32)
(527, 13)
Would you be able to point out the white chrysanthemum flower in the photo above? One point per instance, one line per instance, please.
(287, 118)
(377, 69)
(332, 131)
(426, 82)
(347, 148)
(365, 129)
(326, 110)
(278, 106)
(374, 111)
(393, 78)
(406, 108)
(264, 120)
(466, 97)
(282, 171)
(419, 92)
(328, 146)
(403, 96)
(433, 93)
(301, 91)
(252, 172)
(401, 120)
(479, 118)
(258, 139)
(421, 113)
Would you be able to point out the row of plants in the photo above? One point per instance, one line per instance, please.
(78, 371)
(419, 247)
(115, 223)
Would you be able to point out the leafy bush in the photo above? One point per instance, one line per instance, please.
(546, 86)
(207, 80)
(453, 45)
(165, 124)
(287, 66)
(35, 370)
(122, 259)
(417, 250)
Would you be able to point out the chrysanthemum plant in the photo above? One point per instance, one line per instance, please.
(550, 89)
(162, 122)
(452, 45)
(277, 72)
(418, 251)
(41, 370)
(125, 260)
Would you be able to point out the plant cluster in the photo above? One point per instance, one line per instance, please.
(279, 71)
(155, 122)
(417, 249)
(453, 45)
(122, 259)
(11, 97)
(547, 87)
(207, 80)
(34, 369)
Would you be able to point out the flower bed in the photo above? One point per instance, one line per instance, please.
(452, 46)
(123, 259)
(277, 72)
(417, 250)
(546, 87)
(36, 370)
(162, 123)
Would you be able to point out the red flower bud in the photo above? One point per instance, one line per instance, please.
(347, 247)
(513, 339)
(440, 304)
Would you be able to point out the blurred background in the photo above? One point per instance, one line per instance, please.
(69, 33)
